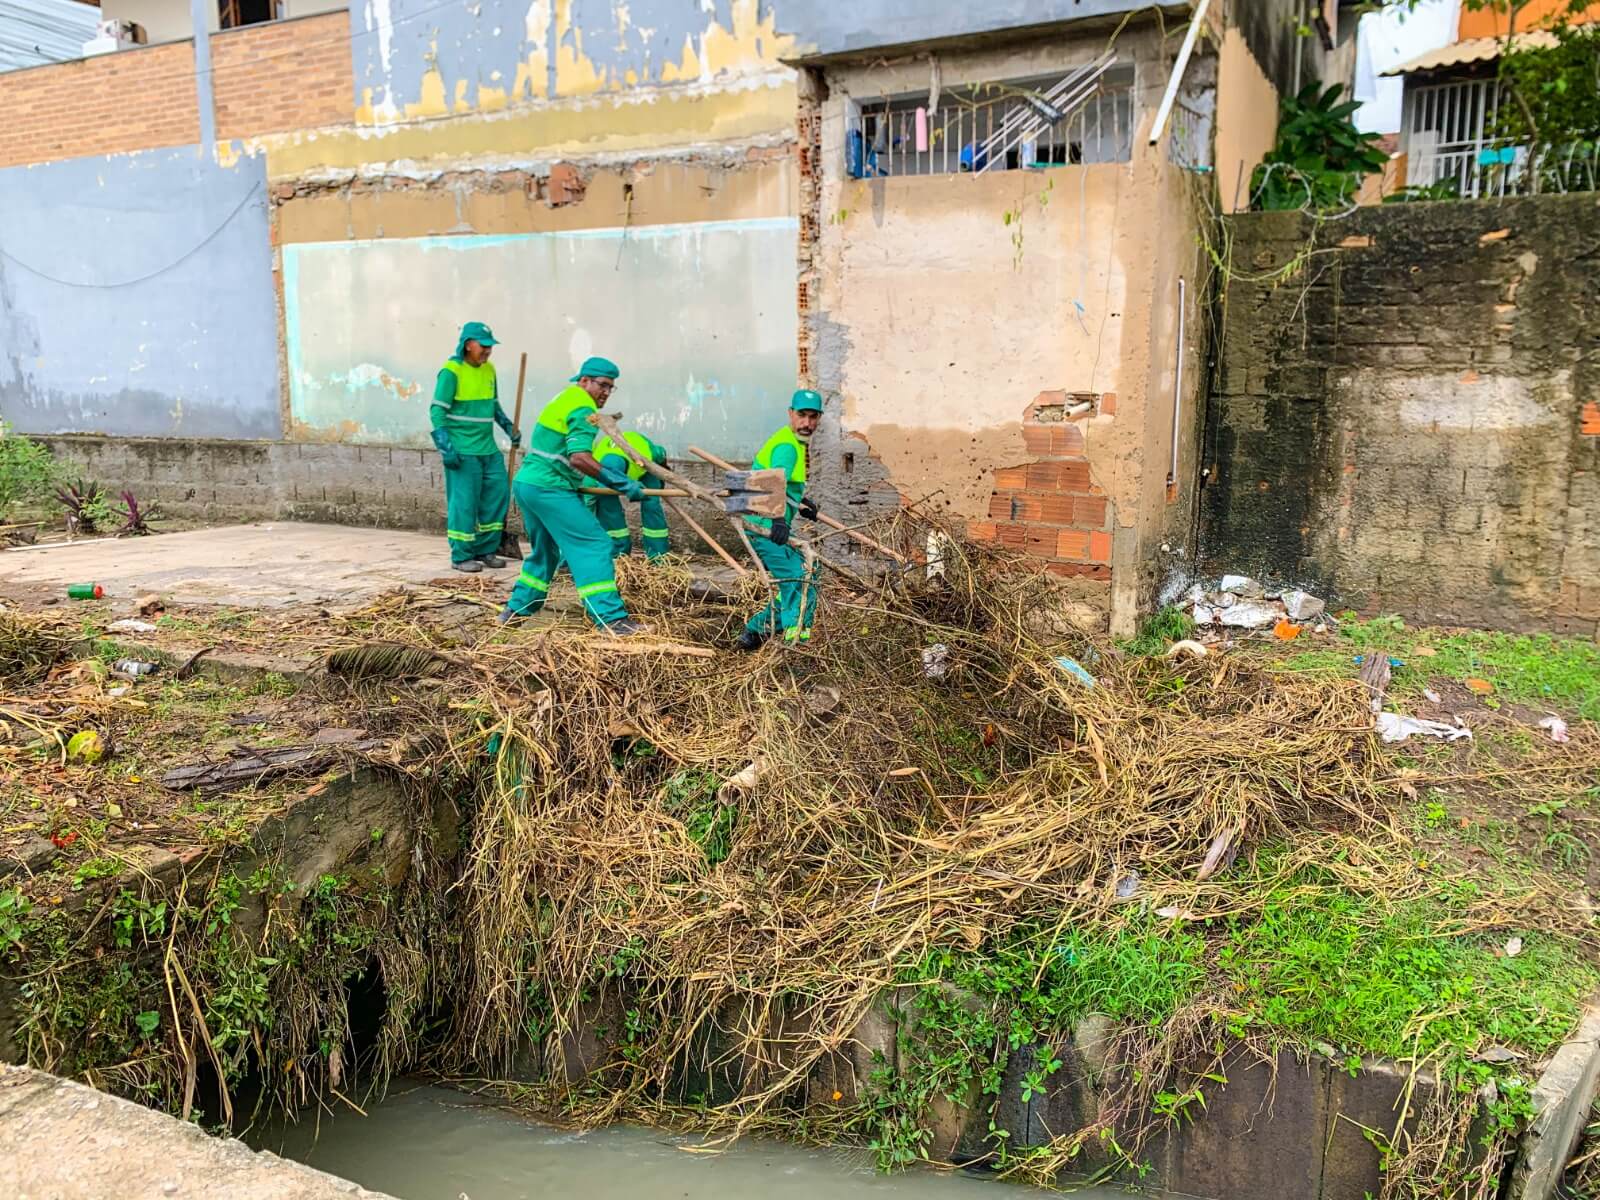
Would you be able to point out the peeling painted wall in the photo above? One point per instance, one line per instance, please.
(700, 317)
(417, 59)
(825, 27)
(136, 297)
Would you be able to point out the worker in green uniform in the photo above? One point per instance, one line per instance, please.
(786, 450)
(559, 524)
(465, 410)
(652, 517)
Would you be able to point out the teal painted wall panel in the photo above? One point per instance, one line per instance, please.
(701, 319)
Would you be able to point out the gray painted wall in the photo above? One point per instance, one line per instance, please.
(136, 297)
(844, 26)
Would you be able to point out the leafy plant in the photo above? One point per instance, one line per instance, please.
(1320, 157)
(135, 518)
(28, 473)
(13, 913)
(1161, 629)
(86, 505)
(1444, 189)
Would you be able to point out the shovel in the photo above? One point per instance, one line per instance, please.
(510, 543)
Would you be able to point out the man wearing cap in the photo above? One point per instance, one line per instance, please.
(465, 410)
(560, 525)
(786, 450)
(652, 517)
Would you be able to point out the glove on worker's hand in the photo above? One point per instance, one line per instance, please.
(780, 532)
(808, 508)
(622, 484)
(511, 431)
(447, 451)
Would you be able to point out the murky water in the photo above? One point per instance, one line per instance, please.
(425, 1143)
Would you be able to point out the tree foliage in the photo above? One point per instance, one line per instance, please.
(1320, 156)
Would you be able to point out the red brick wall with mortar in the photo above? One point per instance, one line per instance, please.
(1406, 413)
(283, 75)
(269, 78)
(1050, 508)
(131, 100)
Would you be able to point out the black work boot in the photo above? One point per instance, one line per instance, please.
(750, 640)
(471, 567)
(627, 627)
(493, 561)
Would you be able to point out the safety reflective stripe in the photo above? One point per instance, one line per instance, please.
(593, 589)
(473, 420)
(492, 527)
(618, 533)
(792, 634)
(655, 533)
(455, 535)
(440, 404)
(533, 581)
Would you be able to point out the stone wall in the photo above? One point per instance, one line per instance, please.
(1406, 413)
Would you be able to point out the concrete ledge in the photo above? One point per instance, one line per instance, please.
(64, 1141)
(1561, 1101)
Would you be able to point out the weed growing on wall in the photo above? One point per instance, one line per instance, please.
(28, 475)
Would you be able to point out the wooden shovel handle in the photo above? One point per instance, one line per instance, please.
(824, 518)
(683, 515)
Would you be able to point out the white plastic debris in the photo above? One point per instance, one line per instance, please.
(1397, 727)
(1557, 728)
(1075, 669)
(1302, 606)
(1240, 585)
(1433, 696)
(1128, 886)
(1192, 649)
(935, 660)
(1204, 614)
(130, 625)
(1250, 614)
(132, 666)
(1513, 947)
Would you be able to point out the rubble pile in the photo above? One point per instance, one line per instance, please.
(1239, 602)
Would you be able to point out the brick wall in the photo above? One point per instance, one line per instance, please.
(130, 100)
(1050, 508)
(283, 75)
(269, 78)
(1407, 411)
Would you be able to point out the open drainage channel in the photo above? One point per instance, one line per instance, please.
(325, 950)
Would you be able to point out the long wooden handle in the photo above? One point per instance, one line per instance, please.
(516, 417)
(608, 426)
(705, 537)
(605, 491)
(824, 518)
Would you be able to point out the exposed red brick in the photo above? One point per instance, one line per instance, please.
(1057, 509)
(1096, 571)
(1591, 420)
(565, 185)
(1057, 476)
(1108, 404)
(1072, 543)
(1012, 535)
(1089, 512)
(1068, 439)
(1100, 547)
(1010, 477)
(1037, 439)
(981, 531)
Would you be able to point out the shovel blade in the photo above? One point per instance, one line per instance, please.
(757, 493)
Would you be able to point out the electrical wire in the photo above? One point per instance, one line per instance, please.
(255, 190)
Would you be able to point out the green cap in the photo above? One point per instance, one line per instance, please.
(596, 368)
(805, 400)
(477, 331)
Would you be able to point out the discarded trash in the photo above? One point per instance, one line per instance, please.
(1223, 599)
(1128, 886)
(1302, 606)
(1286, 631)
(935, 660)
(1557, 728)
(129, 625)
(1393, 662)
(1240, 585)
(1173, 912)
(86, 746)
(132, 666)
(1218, 855)
(1513, 947)
(121, 690)
(149, 605)
(1433, 696)
(1481, 686)
(1250, 614)
(85, 591)
(1072, 667)
(1204, 614)
(1397, 727)
(1497, 1054)
(1192, 649)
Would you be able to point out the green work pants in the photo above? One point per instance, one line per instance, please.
(652, 525)
(475, 495)
(788, 571)
(561, 528)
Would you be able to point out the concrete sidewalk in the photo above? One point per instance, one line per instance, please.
(255, 566)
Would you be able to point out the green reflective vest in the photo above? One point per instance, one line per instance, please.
(642, 446)
(470, 415)
(561, 431)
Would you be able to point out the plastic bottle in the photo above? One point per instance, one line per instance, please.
(85, 591)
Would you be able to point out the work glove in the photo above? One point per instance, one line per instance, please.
(808, 508)
(511, 431)
(780, 532)
(622, 484)
(447, 451)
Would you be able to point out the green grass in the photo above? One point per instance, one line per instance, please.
(1538, 670)
(1171, 624)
